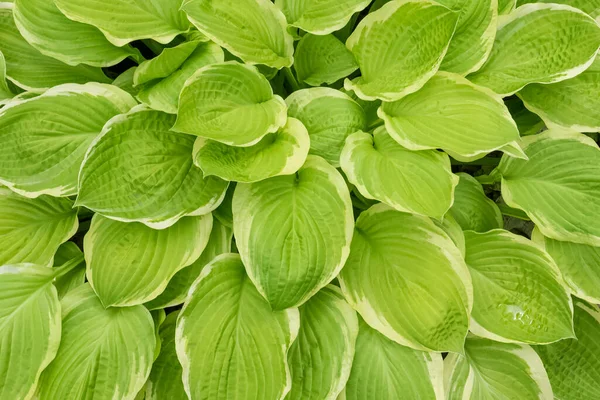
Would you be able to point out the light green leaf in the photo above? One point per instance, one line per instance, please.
(43, 25)
(527, 122)
(453, 230)
(158, 317)
(573, 365)
(329, 116)
(559, 187)
(138, 170)
(321, 357)
(507, 6)
(527, 44)
(408, 280)
(66, 282)
(293, 232)
(253, 30)
(130, 264)
(418, 182)
(224, 212)
(231, 103)
(571, 104)
(29, 327)
(399, 47)
(45, 138)
(320, 17)
(123, 21)
(104, 353)
(472, 209)
(164, 64)
(125, 81)
(31, 230)
(279, 153)
(31, 70)
(163, 94)
(473, 39)
(384, 370)
(492, 370)
(451, 113)
(591, 7)
(5, 92)
(229, 341)
(518, 290)
(219, 242)
(323, 59)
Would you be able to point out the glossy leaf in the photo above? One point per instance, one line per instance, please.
(472, 209)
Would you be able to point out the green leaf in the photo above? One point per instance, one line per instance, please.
(104, 353)
(573, 365)
(311, 212)
(45, 138)
(559, 187)
(322, 59)
(123, 21)
(219, 242)
(138, 170)
(528, 42)
(518, 290)
(384, 370)
(451, 113)
(527, 122)
(66, 252)
(492, 370)
(330, 116)
(399, 47)
(472, 209)
(231, 103)
(571, 104)
(229, 341)
(418, 182)
(279, 153)
(162, 93)
(321, 357)
(43, 25)
(591, 7)
(5, 92)
(320, 17)
(453, 230)
(408, 280)
(473, 39)
(31, 70)
(125, 81)
(164, 64)
(507, 6)
(29, 327)
(31, 230)
(130, 264)
(253, 30)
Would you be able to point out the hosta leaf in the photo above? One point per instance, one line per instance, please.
(163, 94)
(571, 104)
(125, 81)
(5, 92)
(253, 30)
(408, 280)
(45, 138)
(320, 17)
(527, 122)
(399, 47)
(229, 341)
(419, 182)
(293, 232)
(492, 370)
(559, 187)
(231, 103)
(573, 365)
(219, 242)
(453, 230)
(129, 263)
(473, 39)
(321, 357)
(518, 292)
(329, 116)
(43, 25)
(507, 6)
(436, 117)
(472, 209)
(164, 64)
(279, 153)
(30, 69)
(138, 170)
(31, 230)
(104, 353)
(579, 265)
(322, 59)
(527, 44)
(123, 21)
(66, 282)
(384, 370)
(591, 7)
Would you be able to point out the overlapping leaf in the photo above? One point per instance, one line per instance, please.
(472, 209)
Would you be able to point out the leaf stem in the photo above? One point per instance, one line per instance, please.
(291, 79)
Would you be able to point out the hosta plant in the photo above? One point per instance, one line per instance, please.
(299, 199)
